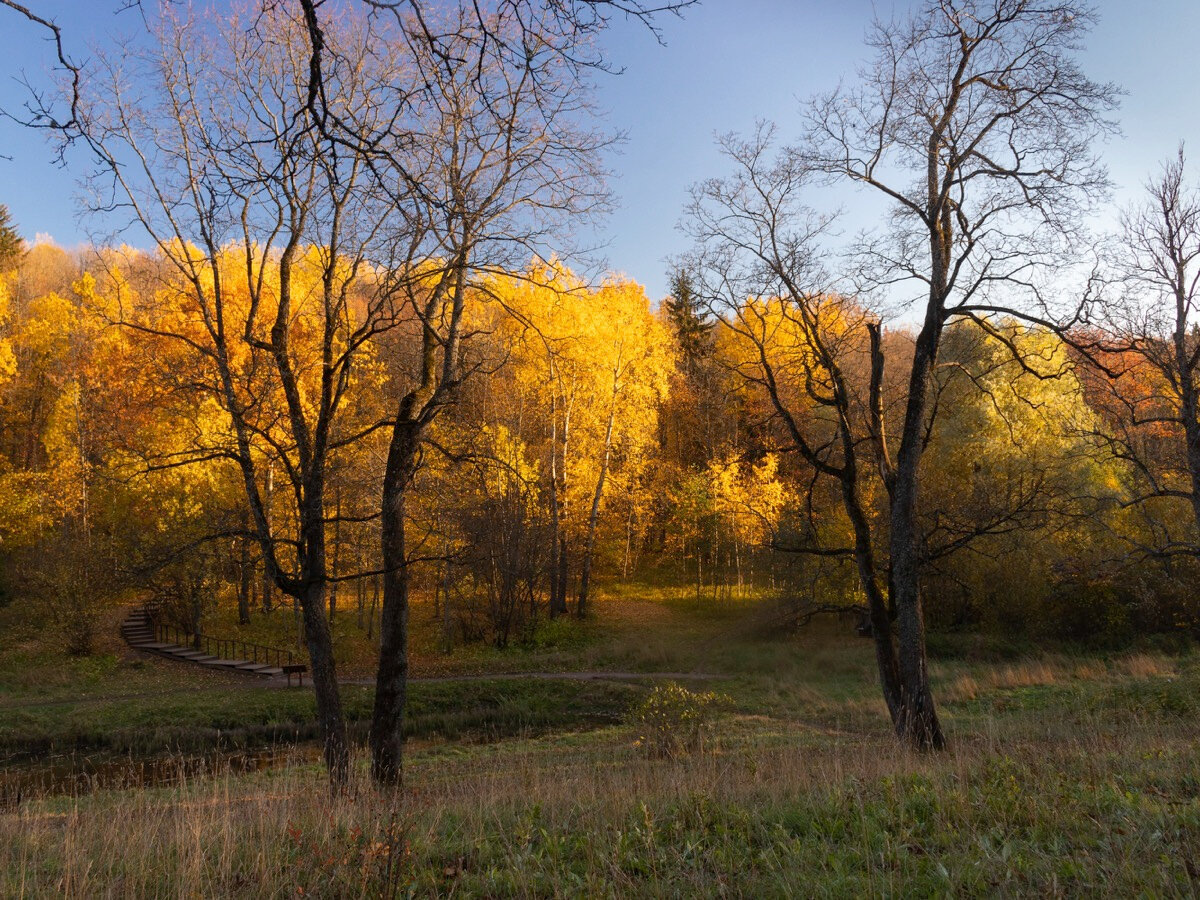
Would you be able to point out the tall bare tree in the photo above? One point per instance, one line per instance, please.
(497, 153)
(976, 124)
(756, 265)
(488, 153)
(203, 141)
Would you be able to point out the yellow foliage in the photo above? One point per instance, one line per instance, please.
(592, 365)
(751, 499)
(8, 361)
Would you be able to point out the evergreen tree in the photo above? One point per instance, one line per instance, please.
(11, 245)
(692, 323)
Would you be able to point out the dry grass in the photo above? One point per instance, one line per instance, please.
(963, 689)
(1089, 670)
(1027, 674)
(964, 686)
(1066, 776)
(1021, 804)
(1142, 665)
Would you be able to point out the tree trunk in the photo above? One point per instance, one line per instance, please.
(268, 580)
(881, 623)
(556, 604)
(589, 544)
(195, 612)
(335, 569)
(559, 563)
(1191, 428)
(918, 721)
(628, 543)
(391, 681)
(737, 561)
(1189, 393)
(447, 634)
(245, 576)
(325, 686)
(374, 607)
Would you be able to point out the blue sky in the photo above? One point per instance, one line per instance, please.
(725, 65)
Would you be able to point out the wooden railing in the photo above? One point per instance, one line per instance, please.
(223, 648)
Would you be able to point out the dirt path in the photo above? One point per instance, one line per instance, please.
(549, 676)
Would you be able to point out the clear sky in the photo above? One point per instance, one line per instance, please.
(726, 64)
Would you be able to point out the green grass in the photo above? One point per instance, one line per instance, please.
(1022, 807)
(195, 720)
(1069, 774)
(998, 823)
(120, 702)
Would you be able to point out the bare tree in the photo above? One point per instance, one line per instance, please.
(566, 30)
(487, 153)
(818, 358)
(976, 124)
(756, 265)
(476, 157)
(41, 110)
(497, 153)
(1148, 351)
(204, 142)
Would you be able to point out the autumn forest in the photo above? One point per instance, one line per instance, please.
(866, 557)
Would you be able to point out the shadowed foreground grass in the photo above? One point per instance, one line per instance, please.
(1066, 777)
(1068, 774)
(772, 811)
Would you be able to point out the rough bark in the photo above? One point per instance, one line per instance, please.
(391, 682)
(436, 385)
(335, 747)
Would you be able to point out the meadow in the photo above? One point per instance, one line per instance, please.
(1069, 772)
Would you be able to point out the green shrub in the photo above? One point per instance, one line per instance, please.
(673, 721)
(563, 633)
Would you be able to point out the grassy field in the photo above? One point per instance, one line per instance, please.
(1069, 774)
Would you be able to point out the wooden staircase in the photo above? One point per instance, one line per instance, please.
(142, 631)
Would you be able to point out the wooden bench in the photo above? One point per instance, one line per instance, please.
(297, 670)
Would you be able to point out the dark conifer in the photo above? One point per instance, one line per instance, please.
(692, 323)
(11, 245)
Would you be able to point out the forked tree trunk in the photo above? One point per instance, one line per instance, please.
(881, 623)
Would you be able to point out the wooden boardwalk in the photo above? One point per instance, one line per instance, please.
(141, 633)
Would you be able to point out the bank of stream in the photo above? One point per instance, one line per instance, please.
(24, 777)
